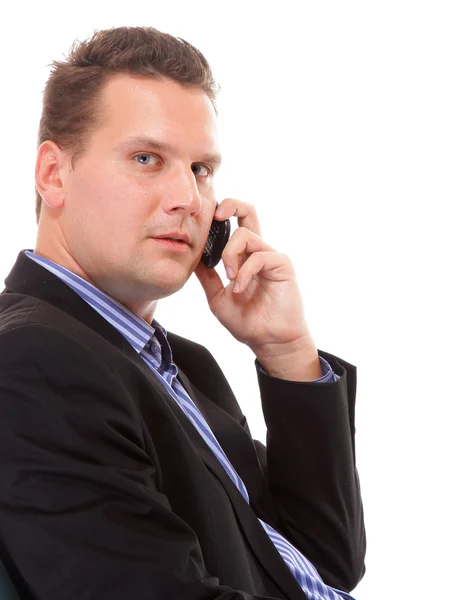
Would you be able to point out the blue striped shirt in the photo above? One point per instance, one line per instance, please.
(152, 345)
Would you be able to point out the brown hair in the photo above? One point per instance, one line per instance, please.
(70, 104)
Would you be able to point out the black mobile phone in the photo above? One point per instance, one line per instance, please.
(216, 242)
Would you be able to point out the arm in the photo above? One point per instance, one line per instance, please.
(303, 499)
(310, 447)
(82, 514)
(310, 467)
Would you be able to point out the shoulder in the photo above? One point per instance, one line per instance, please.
(46, 369)
(19, 310)
(16, 310)
(35, 334)
(26, 320)
(45, 353)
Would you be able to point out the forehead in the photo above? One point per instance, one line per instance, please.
(142, 106)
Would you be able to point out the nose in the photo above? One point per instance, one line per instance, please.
(181, 193)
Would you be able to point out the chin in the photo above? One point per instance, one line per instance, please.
(168, 286)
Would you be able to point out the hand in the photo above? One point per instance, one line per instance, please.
(261, 306)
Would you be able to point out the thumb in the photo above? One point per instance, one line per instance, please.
(210, 281)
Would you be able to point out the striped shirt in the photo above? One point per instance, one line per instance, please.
(150, 342)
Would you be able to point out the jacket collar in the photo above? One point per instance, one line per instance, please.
(31, 279)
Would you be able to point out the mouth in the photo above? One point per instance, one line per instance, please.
(175, 236)
(172, 239)
(172, 243)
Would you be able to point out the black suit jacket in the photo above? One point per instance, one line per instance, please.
(107, 491)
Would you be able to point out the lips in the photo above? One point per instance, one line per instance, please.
(175, 236)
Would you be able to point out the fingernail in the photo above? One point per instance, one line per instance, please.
(236, 287)
(230, 272)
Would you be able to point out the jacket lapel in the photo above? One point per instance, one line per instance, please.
(262, 546)
(258, 539)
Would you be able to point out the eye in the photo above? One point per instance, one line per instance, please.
(144, 155)
(207, 170)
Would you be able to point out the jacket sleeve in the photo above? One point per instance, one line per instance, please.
(310, 467)
(82, 515)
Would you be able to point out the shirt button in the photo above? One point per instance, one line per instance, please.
(155, 348)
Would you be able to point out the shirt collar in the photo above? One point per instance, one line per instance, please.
(133, 327)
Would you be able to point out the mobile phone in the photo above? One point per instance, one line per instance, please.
(217, 240)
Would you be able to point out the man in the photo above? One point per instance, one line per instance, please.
(127, 467)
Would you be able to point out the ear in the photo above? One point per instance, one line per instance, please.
(50, 164)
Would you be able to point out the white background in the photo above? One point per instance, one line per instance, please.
(334, 120)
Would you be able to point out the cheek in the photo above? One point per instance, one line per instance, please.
(110, 201)
(204, 228)
(209, 205)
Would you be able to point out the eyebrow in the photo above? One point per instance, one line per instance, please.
(145, 141)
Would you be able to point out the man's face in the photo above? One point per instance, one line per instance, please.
(122, 194)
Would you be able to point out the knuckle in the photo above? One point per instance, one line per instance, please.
(239, 234)
(226, 256)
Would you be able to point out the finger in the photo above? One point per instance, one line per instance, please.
(272, 265)
(209, 280)
(245, 213)
(240, 245)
